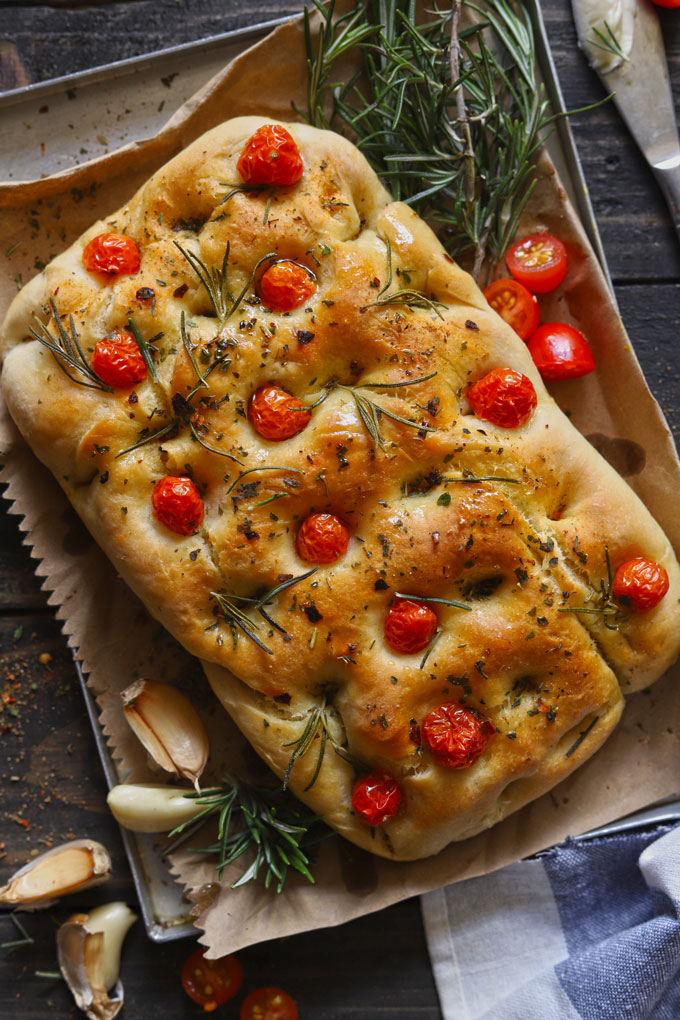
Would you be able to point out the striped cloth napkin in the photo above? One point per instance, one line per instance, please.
(589, 930)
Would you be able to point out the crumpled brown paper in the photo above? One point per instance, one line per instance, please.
(116, 640)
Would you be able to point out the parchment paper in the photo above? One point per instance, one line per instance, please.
(116, 640)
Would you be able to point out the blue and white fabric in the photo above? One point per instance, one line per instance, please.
(590, 930)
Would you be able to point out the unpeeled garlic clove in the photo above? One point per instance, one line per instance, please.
(88, 949)
(152, 807)
(67, 868)
(168, 726)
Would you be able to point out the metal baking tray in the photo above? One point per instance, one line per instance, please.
(67, 121)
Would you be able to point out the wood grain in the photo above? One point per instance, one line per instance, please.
(50, 783)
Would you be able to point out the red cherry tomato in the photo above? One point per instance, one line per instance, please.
(277, 415)
(641, 583)
(409, 626)
(211, 982)
(286, 285)
(376, 798)
(177, 504)
(455, 735)
(322, 538)
(560, 352)
(667, 3)
(113, 254)
(270, 156)
(269, 1004)
(515, 304)
(539, 262)
(118, 361)
(504, 397)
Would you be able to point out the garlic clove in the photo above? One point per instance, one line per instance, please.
(88, 949)
(152, 807)
(168, 726)
(67, 868)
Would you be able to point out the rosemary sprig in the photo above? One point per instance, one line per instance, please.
(272, 467)
(336, 37)
(607, 607)
(411, 298)
(144, 347)
(150, 438)
(237, 620)
(581, 737)
(450, 115)
(432, 598)
(268, 823)
(317, 719)
(608, 42)
(65, 348)
(216, 283)
(471, 479)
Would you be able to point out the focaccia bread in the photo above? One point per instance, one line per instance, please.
(356, 404)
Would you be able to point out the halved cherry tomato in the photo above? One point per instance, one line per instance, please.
(269, 1004)
(113, 254)
(270, 156)
(538, 261)
(409, 626)
(118, 361)
(211, 982)
(455, 735)
(515, 304)
(560, 352)
(640, 583)
(276, 414)
(322, 538)
(177, 504)
(504, 397)
(376, 798)
(286, 285)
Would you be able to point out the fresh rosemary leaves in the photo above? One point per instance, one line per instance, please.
(448, 112)
(318, 719)
(606, 607)
(216, 282)
(66, 350)
(266, 822)
(229, 607)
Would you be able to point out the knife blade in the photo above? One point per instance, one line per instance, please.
(641, 88)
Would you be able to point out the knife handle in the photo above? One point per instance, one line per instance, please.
(668, 176)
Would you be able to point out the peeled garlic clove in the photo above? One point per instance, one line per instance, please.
(152, 807)
(67, 868)
(168, 726)
(88, 948)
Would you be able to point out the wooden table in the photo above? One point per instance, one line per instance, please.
(51, 783)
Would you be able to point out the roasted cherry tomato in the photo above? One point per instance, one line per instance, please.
(376, 798)
(270, 156)
(640, 583)
(177, 504)
(322, 538)
(269, 1004)
(286, 285)
(113, 254)
(455, 735)
(560, 352)
(409, 626)
(118, 361)
(539, 262)
(277, 415)
(504, 397)
(515, 304)
(667, 3)
(211, 982)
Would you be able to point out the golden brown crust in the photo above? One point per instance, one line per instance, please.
(518, 553)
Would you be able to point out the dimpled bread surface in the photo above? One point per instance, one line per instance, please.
(516, 553)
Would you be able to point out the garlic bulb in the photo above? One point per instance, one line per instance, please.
(88, 948)
(152, 807)
(67, 868)
(168, 726)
